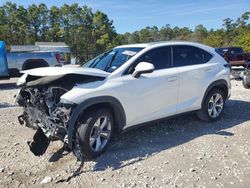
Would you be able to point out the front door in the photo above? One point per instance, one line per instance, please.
(152, 95)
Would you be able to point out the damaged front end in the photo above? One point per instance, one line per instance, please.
(44, 112)
(43, 109)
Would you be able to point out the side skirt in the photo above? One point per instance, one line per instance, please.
(156, 121)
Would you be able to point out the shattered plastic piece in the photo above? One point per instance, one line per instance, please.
(47, 179)
(39, 144)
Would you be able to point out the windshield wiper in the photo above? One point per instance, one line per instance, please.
(100, 58)
(111, 61)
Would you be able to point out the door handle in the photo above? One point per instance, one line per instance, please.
(208, 70)
(172, 79)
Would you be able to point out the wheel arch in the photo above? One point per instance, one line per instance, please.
(97, 102)
(31, 61)
(219, 84)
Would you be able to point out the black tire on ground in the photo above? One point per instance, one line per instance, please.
(14, 73)
(203, 113)
(247, 86)
(35, 63)
(84, 132)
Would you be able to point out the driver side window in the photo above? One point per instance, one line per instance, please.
(159, 57)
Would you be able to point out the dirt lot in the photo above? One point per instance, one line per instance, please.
(181, 152)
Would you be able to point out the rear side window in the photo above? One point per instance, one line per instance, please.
(189, 55)
(159, 57)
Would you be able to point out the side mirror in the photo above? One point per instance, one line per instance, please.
(142, 68)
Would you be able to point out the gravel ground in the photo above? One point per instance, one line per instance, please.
(180, 152)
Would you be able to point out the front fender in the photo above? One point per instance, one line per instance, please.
(119, 113)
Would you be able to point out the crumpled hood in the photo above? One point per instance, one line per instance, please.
(60, 76)
(56, 71)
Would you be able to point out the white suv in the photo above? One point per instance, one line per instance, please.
(126, 86)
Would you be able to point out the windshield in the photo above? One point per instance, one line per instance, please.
(237, 51)
(113, 59)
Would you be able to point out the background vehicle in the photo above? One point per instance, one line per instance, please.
(41, 54)
(235, 56)
(126, 86)
(246, 77)
(3, 61)
(60, 47)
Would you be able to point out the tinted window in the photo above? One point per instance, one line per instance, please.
(236, 51)
(159, 57)
(189, 55)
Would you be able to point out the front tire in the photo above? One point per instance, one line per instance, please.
(93, 133)
(212, 106)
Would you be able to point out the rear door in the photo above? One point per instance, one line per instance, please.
(194, 74)
(152, 95)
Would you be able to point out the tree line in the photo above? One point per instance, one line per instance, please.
(233, 33)
(86, 32)
(89, 33)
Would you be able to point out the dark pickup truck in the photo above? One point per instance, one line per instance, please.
(235, 56)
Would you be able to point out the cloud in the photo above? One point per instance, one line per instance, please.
(203, 9)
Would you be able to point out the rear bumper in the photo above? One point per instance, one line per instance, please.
(229, 90)
(228, 85)
(238, 63)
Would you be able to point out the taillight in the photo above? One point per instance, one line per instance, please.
(58, 58)
(228, 66)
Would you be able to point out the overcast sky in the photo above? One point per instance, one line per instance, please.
(131, 15)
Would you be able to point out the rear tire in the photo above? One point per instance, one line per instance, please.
(35, 63)
(245, 79)
(247, 86)
(14, 73)
(212, 106)
(93, 134)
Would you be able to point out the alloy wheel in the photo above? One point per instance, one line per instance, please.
(100, 133)
(215, 105)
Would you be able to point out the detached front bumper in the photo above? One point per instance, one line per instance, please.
(49, 128)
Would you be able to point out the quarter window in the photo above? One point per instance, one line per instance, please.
(189, 55)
